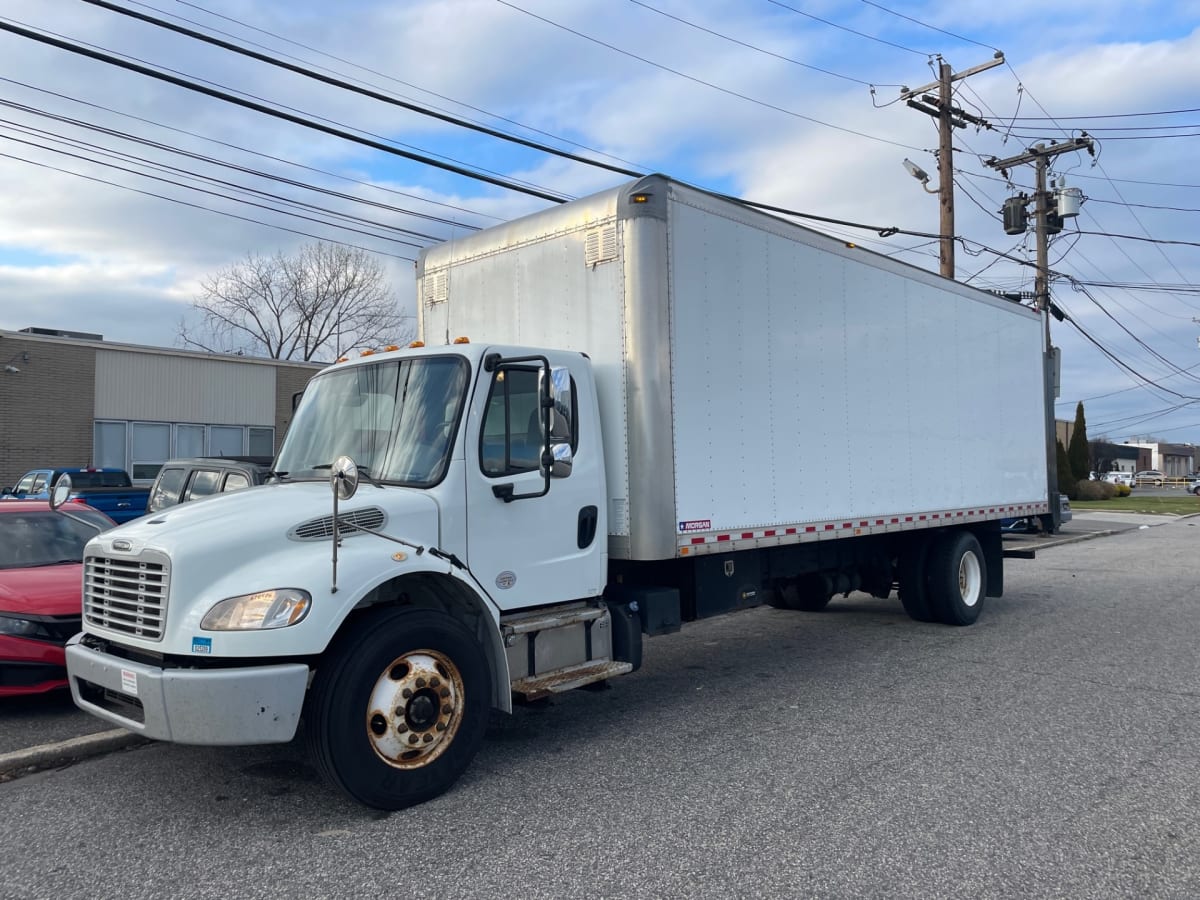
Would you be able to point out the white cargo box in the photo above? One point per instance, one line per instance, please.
(760, 383)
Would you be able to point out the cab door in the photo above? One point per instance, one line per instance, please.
(529, 546)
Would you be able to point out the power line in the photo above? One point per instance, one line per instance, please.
(708, 84)
(771, 53)
(958, 37)
(862, 34)
(200, 207)
(347, 86)
(268, 156)
(276, 113)
(375, 72)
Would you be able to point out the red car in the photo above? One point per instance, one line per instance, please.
(41, 585)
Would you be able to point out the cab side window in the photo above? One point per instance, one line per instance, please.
(512, 432)
(166, 489)
(235, 481)
(513, 438)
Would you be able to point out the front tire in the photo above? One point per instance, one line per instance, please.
(956, 578)
(398, 707)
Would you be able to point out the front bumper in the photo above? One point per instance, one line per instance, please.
(248, 705)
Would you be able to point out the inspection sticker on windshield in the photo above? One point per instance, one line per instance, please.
(696, 525)
(129, 682)
(201, 645)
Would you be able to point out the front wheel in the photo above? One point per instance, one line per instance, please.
(398, 707)
(956, 578)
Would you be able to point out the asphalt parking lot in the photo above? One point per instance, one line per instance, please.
(29, 722)
(1050, 750)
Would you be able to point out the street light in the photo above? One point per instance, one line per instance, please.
(920, 174)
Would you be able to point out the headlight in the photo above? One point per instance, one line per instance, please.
(266, 609)
(22, 627)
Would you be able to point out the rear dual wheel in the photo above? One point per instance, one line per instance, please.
(944, 579)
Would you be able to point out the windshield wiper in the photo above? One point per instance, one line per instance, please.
(52, 562)
(362, 470)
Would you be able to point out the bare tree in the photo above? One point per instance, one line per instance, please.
(316, 303)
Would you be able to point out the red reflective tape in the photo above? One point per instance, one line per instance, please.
(895, 521)
(909, 518)
(697, 540)
(922, 518)
(746, 535)
(863, 524)
(770, 532)
(790, 531)
(847, 524)
(722, 537)
(829, 528)
(810, 528)
(879, 521)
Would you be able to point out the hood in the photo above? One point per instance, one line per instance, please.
(44, 591)
(247, 515)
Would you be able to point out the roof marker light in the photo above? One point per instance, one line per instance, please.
(462, 340)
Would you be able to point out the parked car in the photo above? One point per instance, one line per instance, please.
(1033, 524)
(180, 480)
(1149, 476)
(109, 490)
(1118, 478)
(41, 583)
(1194, 485)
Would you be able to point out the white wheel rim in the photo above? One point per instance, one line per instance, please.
(970, 578)
(415, 709)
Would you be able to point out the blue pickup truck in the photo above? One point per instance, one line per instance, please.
(108, 490)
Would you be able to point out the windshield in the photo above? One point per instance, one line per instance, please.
(395, 418)
(46, 538)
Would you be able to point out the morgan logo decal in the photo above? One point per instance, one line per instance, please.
(696, 525)
(505, 580)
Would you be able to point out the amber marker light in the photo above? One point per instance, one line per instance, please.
(462, 340)
(415, 344)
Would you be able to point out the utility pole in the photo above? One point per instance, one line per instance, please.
(948, 117)
(1040, 155)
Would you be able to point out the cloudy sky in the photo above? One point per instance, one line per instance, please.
(107, 227)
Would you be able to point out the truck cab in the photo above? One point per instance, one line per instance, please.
(478, 495)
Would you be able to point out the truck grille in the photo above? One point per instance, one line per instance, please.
(126, 595)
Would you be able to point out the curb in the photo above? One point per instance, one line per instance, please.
(45, 756)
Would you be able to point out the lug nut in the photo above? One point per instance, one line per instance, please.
(428, 738)
(433, 682)
(445, 692)
(412, 738)
(441, 726)
(420, 682)
(447, 709)
(406, 693)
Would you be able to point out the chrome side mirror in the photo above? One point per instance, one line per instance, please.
(561, 427)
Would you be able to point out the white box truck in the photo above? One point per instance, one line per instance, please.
(632, 411)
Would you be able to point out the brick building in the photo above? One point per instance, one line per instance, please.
(71, 399)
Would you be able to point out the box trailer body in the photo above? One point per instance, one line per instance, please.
(759, 383)
(639, 409)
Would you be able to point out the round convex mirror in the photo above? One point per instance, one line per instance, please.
(343, 477)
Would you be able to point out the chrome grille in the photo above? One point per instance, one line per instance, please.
(371, 518)
(126, 595)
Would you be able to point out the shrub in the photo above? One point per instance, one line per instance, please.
(1096, 490)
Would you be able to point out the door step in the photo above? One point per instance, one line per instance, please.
(535, 687)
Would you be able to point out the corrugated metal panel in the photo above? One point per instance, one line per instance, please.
(146, 387)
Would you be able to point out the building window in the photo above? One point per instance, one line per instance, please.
(261, 441)
(149, 448)
(189, 441)
(110, 449)
(226, 440)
